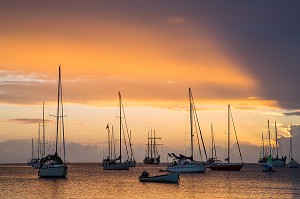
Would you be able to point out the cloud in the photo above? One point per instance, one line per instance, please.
(297, 113)
(28, 120)
(174, 20)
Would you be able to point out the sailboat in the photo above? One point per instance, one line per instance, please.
(185, 164)
(30, 162)
(292, 163)
(268, 166)
(36, 161)
(53, 165)
(228, 166)
(263, 158)
(117, 164)
(132, 160)
(213, 158)
(278, 162)
(152, 156)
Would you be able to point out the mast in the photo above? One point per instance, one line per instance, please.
(32, 150)
(112, 144)
(263, 143)
(43, 150)
(38, 151)
(151, 146)
(276, 140)
(269, 138)
(228, 134)
(291, 146)
(148, 145)
(108, 141)
(120, 101)
(191, 123)
(212, 141)
(154, 152)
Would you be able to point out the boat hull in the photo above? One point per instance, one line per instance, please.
(132, 163)
(53, 171)
(226, 166)
(116, 166)
(172, 177)
(293, 164)
(188, 168)
(279, 162)
(148, 160)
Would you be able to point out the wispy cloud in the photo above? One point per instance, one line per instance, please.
(174, 20)
(295, 113)
(10, 77)
(28, 120)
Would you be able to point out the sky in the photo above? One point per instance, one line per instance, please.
(242, 53)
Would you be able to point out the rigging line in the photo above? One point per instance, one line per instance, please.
(129, 137)
(199, 127)
(236, 137)
(213, 143)
(198, 140)
(125, 140)
(62, 123)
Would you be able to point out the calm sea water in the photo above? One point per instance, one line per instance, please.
(90, 181)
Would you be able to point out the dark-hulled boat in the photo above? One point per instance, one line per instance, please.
(228, 166)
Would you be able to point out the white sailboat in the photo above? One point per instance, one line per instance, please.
(292, 163)
(53, 165)
(228, 166)
(117, 164)
(184, 164)
(277, 161)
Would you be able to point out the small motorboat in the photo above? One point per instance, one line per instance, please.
(170, 177)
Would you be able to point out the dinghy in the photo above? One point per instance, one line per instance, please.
(170, 177)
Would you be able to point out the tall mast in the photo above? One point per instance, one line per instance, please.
(191, 123)
(151, 145)
(43, 150)
(154, 152)
(32, 150)
(120, 101)
(291, 146)
(228, 133)
(263, 145)
(39, 132)
(212, 141)
(108, 141)
(148, 145)
(57, 116)
(276, 140)
(269, 139)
